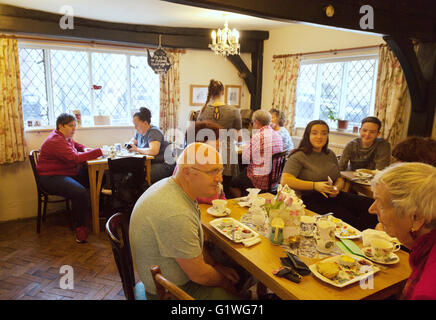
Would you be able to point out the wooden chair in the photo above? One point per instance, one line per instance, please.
(278, 163)
(117, 230)
(43, 196)
(167, 290)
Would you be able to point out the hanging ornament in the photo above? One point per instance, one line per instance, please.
(159, 62)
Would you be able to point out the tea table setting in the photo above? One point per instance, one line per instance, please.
(299, 254)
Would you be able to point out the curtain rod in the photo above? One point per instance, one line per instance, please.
(90, 42)
(326, 51)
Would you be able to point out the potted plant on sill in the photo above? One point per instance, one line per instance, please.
(342, 124)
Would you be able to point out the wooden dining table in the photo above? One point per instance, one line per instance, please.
(351, 184)
(263, 258)
(96, 170)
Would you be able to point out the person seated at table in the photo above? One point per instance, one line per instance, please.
(307, 170)
(170, 233)
(149, 140)
(278, 120)
(59, 173)
(367, 151)
(205, 132)
(229, 117)
(258, 154)
(405, 202)
(416, 149)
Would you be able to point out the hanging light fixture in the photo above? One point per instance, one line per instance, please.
(225, 41)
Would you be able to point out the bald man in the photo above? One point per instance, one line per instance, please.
(165, 229)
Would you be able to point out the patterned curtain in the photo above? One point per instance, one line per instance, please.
(12, 144)
(285, 87)
(170, 93)
(392, 97)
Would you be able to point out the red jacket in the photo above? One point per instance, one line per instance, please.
(421, 284)
(60, 156)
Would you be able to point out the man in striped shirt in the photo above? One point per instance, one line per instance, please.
(258, 154)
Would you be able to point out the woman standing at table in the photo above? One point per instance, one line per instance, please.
(405, 203)
(149, 140)
(308, 170)
(59, 173)
(229, 118)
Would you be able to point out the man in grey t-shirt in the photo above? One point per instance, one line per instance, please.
(368, 151)
(166, 230)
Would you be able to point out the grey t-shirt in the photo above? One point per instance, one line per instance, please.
(377, 156)
(316, 166)
(162, 230)
(153, 134)
(229, 117)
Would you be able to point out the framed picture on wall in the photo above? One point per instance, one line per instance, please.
(197, 95)
(233, 95)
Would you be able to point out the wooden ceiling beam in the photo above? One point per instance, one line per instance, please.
(410, 18)
(25, 21)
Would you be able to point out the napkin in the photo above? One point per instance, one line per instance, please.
(251, 242)
(350, 246)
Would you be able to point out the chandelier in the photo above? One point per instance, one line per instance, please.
(225, 42)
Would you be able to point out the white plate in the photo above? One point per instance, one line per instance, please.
(392, 259)
(314, 269)
(125, 155)
(235, 223)
(213, 212)
(349, 227)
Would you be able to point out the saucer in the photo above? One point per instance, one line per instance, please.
(214, 213)
(391, 259)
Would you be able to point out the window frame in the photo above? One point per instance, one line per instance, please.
(307, 60)
(43, 45)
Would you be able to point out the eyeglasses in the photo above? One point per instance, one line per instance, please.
(211, 173)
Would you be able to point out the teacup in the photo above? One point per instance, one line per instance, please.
(382, 248)
(219, 205)
(369, 234)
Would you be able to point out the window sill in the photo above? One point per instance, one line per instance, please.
(338, 132)
(45, 129)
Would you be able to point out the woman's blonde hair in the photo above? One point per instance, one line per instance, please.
(412, 187)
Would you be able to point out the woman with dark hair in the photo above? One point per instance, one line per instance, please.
(149, 140)
(278, 120)
(308, 170)
(205, 132)
(59, 173)
(228, 117)
(416, 149)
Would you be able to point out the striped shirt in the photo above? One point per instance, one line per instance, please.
(258, 154)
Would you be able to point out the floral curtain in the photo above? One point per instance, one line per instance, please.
(170, 93)
(392, 98)
(285, 87)
(12, 144)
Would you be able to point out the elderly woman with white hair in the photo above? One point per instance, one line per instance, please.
(405, 203)
(258, 154)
